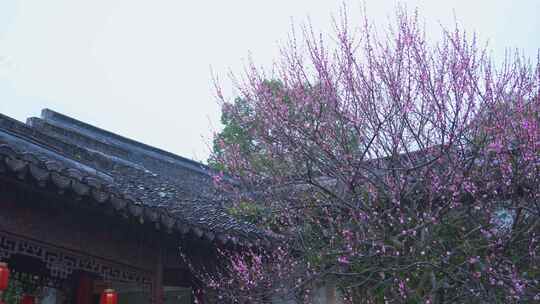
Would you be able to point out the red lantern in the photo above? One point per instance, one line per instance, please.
(28, 299)
(109, 296)
(4, 276)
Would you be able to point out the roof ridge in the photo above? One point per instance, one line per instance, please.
(25, 131)
(47, 145)
(52, 129)
(75, 125)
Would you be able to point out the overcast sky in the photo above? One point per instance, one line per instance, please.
(142, 68)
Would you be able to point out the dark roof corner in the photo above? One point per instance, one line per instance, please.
(125, 173)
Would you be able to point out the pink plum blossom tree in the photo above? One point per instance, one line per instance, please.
(397, 170)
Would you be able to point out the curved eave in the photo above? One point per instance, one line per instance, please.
(45, 171)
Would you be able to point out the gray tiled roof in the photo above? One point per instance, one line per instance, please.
(151, 184)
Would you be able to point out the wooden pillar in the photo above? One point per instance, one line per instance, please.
(84, 290)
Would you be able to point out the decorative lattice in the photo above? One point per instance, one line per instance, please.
(62, 262)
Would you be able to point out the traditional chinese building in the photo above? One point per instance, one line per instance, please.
(83, 209)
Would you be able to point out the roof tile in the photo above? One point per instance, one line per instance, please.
(153, 185)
